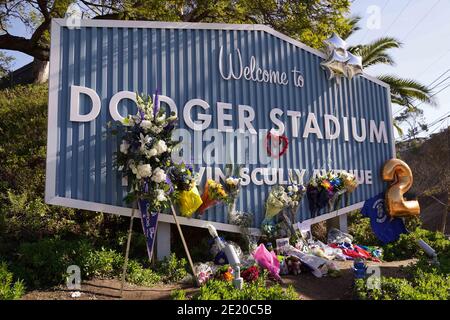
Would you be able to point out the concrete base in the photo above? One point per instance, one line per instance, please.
(339, 222)
(162, 240)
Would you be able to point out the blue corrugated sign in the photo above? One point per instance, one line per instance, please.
(223, 81)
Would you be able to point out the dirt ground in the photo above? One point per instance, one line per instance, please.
(307, 286)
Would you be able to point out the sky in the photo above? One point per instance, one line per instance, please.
(423, 26)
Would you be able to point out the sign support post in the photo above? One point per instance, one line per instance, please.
(127, 251)
(184, 243)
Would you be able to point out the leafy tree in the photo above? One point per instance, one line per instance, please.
(310, 21)
(5, 64)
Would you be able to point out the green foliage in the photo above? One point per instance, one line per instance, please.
(423, 286)
(258, 290)
(425, 279)
(8, 289)
(310, 21)
(224, 290)
(405, 91)
(44, 263)
(102, 263)
(139, 275)
(24, 216)
(172, 269)
(178, 294)
(5, 63)
(376, 51)
(359, 227)
(406, 246)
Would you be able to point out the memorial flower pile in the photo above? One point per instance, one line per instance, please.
(212, 195)
(186, 193)
(144, 155)
(327, 189)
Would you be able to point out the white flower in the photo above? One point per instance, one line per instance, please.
(160, 195)
(232, 181)
(290, 188)
(144, 140)
(128, 121)
(156, 129)
(158, 175)
(146, 124)
(143, 171)
(150, 153)
(124, 147)
(161, 119)
(295, 188)
(160, 146)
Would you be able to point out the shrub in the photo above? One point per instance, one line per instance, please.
(359, 227)
(140, 275)
(8, 289)
(257, 290)
(24, 216)
(172, 269)
(102, 263)
(406, 246)
(44, 263)
(423, 286)
(178, 294)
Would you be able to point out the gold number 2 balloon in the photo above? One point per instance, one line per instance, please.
(400, 175)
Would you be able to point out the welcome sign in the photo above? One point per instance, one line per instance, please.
(229, 85)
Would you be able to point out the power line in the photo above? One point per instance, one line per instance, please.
(421, 20)
(435, 61)
(439, 83)
(429, 126)
(398, 16)
(442, 74)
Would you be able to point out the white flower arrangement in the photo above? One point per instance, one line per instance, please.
(144, 154)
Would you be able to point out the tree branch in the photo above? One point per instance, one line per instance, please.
(11, 42)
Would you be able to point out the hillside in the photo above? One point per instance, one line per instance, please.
(430, 162)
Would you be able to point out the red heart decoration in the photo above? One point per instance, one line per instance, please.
(280, 140)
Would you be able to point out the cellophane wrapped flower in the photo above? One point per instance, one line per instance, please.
(276, 201)
(144, 155)
(349, 180)
(250, 274)
(232, 187)
(327, 189)
(295, 194)
(186, 193)
(212, 195)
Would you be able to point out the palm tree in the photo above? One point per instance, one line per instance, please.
(403, 91)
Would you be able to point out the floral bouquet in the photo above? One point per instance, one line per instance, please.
(145, 153)
(277, 200)
(187, 196)
(350, 182)
(212, 195)
(224, 273)
(328, 189)
(295, 194)
(250, 274)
